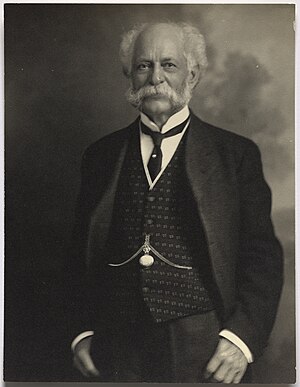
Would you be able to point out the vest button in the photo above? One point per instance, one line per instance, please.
(145, 289)
(149, 221)
(151, 198)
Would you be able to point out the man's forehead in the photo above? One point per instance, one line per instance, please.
(160, 38)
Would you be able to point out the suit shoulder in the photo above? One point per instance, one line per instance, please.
(231, 148)
(226, 138)
(222, 134)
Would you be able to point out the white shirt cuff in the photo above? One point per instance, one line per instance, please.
(238, 342)
(80, 337)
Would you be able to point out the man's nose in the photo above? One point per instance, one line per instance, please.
(157, 76)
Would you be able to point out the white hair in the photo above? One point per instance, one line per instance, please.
(193, 43)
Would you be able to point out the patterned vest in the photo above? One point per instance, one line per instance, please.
(168, 214)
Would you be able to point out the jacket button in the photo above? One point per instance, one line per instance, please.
(145, 289)
(149, 221)
(151, 198)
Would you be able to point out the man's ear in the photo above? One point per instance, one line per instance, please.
(194, 76)
(126, 72)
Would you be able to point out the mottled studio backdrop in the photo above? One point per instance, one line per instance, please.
(64, 89)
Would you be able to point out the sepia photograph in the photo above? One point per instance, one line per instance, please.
(149, 193)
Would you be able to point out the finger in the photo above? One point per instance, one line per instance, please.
(212, 366)
(229, 377)
(237, 378)
(239, 375)
(221, 373)
(79, 367)
(89, 365)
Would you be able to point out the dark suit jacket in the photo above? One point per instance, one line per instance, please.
(234, 203)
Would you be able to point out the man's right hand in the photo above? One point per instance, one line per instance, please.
(82, 358)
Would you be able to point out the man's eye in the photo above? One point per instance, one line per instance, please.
(169, 65)
(143, 66)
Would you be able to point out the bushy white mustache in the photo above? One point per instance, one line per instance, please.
(177, 99)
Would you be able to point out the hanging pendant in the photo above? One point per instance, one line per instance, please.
(146, 260)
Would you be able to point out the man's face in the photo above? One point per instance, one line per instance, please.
(160, 76)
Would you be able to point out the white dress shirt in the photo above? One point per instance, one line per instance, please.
(168, 148)
(168, 145)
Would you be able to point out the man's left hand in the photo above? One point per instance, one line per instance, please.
(228, 363)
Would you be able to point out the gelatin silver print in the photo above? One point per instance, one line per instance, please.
(149, 193)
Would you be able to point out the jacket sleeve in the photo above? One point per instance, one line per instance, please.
(79, 294)
(259, 274)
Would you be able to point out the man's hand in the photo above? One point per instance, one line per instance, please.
(82, 359)
(228, 363)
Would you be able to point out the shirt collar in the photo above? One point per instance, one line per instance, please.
(174, 120)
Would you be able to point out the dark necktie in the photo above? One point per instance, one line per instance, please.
(154, 164)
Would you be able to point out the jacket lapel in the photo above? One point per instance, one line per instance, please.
(216, 200)
(201, 156)
(102, 215)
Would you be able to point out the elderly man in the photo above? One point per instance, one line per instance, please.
(184, 272)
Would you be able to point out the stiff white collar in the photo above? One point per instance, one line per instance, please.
(174, 120)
